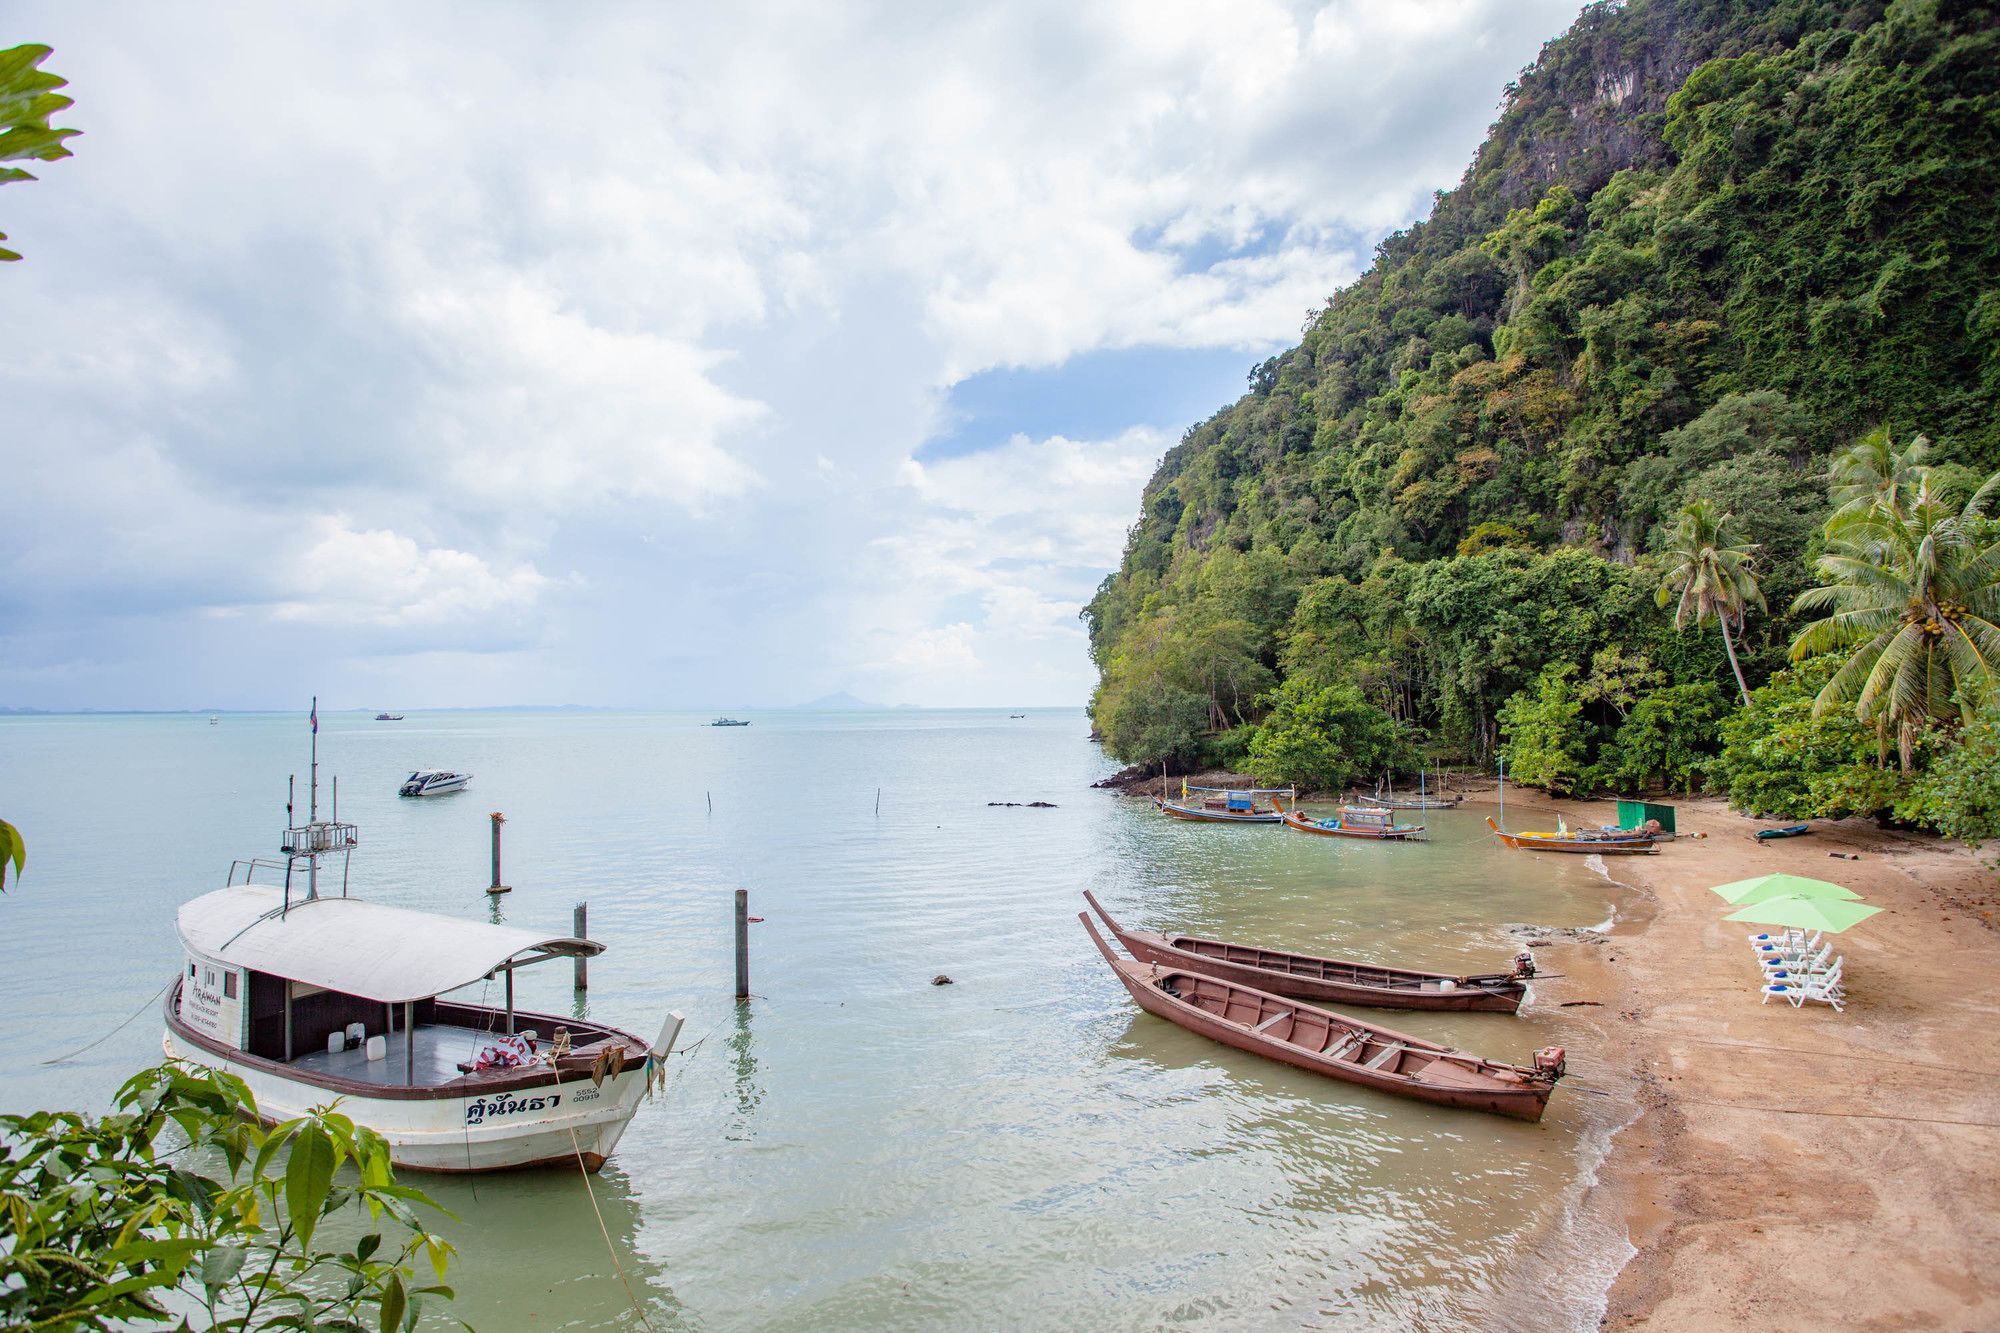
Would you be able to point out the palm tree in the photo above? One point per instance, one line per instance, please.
(1714, 574)
(1872, 472)
(1913, 588)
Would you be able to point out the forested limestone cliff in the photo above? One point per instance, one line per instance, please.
(1706, 247)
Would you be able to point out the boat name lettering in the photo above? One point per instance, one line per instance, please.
(481, 1109)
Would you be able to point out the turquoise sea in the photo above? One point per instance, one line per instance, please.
(857, 1148)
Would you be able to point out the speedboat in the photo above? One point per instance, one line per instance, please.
(314, 999)
(433, 782)
(388, 717)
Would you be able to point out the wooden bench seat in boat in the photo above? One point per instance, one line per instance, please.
(1384, 1057)
(1343, 1044)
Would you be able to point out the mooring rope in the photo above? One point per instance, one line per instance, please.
(115, 1031)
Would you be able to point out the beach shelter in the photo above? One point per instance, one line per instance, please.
(1762, 888)
(1829, 915)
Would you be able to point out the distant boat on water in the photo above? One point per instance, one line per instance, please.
(728, 722)
(433, 782)
(388, 717)
(213, 719)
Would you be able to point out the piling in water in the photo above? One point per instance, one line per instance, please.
(496, 887)
(743, 944)
(579, 926)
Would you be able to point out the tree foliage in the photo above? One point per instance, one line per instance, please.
(1911, 593)
(13, 851)
(1322, 738)
(1707, 242)
(179, 1205)
(28, 98)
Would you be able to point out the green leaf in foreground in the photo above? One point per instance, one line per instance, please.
(308, 1180)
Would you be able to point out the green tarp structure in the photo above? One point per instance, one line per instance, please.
(1634, 814)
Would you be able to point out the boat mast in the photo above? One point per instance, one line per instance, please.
(316, 837)
(312, 805)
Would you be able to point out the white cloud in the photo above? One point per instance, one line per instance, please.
(378, 577)
(1022, 533)
(613, 331)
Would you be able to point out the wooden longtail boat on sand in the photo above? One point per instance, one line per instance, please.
(1637, 844)
(1229, 805)
(1327, 980)
(1353, 823)
(1335, 1045)
(1410, 802)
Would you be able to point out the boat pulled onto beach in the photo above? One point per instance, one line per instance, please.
(1224, 805)
(1302, 976)
(1336, 1045)
(314, 997)
(1594, 842)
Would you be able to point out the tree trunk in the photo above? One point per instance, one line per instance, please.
(1734, 665)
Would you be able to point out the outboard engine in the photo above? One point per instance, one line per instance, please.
(1551, 1062)
(1524, 964)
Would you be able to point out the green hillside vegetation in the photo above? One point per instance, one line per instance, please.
(1566, 450)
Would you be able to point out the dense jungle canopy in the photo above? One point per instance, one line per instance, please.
(1707, 247)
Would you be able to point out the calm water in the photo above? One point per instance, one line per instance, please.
(858, 1148)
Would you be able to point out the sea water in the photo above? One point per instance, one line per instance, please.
(856, 1147)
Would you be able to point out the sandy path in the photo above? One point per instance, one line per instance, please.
(1801, 1166)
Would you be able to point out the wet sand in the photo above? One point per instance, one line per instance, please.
(1794, 1165)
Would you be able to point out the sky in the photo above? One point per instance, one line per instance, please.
(661, 355)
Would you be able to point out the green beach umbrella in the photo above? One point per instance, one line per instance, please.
(1764, 887)
(1831, 915)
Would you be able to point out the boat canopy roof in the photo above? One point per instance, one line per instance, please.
(390, 954)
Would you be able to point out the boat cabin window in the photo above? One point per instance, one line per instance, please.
(229, 985)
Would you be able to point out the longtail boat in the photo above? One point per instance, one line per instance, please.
(1327, 980)
(1605, 844)
(1354, 823)
(1225, 805)
(1394, 802)
(1335, 1045)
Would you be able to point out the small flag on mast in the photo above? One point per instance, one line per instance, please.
(315, 715)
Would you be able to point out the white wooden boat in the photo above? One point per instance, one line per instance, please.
(311, 998)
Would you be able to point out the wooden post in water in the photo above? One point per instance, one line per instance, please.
(710, 797)
(743, 944)
(878, 803)
(579, 926)
(496, 887)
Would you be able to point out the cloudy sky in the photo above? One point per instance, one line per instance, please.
(655, 354)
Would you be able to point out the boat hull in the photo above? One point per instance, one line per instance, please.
(1393, 833)
(1280, 1029)
(1201, 816)
(436, 789)
(536, 1118)
(1289, 974)
(1580, 846)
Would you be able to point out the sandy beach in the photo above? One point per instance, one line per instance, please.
(1841, 1163)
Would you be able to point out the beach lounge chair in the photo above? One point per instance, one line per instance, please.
(1793, 952)
(1824, 989)
(1796, 975)
(1786, 962)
